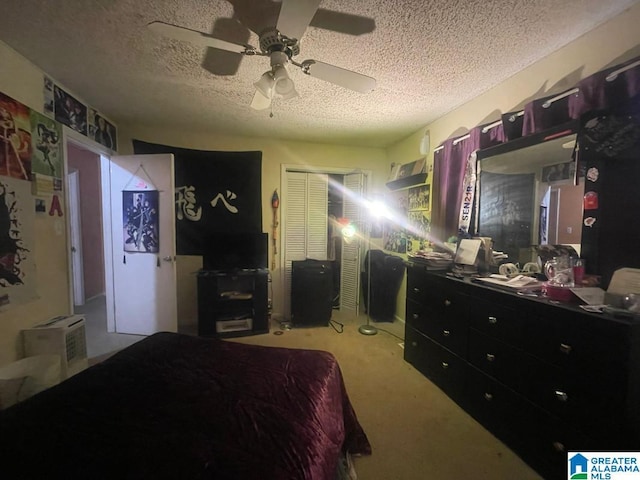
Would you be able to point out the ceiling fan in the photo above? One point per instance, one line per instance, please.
(280, 44)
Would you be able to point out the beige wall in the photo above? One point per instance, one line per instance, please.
(22, 81)
(275, 153)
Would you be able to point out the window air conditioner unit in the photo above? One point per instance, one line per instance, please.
(64, 336)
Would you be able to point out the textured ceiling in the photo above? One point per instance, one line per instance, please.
(428, 56)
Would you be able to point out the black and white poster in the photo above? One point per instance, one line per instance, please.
(214, 192)
(17, 263)
(140, 221)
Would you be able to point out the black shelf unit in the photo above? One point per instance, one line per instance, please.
(233, 303)
(408, 181)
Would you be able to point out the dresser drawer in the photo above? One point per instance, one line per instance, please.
(570, 341)
(499, 360)
(541, 439)
(495, 319)
(442, 367)
(416, 282)
(576, 399)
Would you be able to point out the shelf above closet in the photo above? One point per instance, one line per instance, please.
(408, 181)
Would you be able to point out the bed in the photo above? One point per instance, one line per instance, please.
(175, 406)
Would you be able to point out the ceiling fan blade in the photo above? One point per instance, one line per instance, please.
(260, 102)
(195, 37)
(339, 76)
(295, 16)
(343, 22)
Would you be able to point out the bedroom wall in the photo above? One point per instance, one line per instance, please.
(275, 153)
(611, 43)
(23, 81)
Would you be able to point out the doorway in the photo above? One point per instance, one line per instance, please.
(87, 260)
(311, 197)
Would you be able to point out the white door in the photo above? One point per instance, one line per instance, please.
(305, 223)
(351, 252)
(144, 284)
(75, 227)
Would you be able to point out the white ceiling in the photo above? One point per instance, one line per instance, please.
(428, 57)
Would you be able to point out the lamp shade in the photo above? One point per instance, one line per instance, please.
(265, 84)
(283, 84)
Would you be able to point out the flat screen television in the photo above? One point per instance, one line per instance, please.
(235, 251)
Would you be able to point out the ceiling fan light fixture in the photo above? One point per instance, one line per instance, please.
(283, 84)
(265, 84)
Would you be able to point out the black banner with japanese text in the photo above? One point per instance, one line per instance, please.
(215, 192)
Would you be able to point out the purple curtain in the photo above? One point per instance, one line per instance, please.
(598, 93)
(450, 163)
(540, 116)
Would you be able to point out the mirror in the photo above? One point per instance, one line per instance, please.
(528, 197)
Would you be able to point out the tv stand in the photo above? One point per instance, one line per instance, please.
(233, 303)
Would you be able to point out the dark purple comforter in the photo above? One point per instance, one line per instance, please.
(180, 407)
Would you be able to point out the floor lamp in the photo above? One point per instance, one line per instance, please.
(374, 209)
(367, 328)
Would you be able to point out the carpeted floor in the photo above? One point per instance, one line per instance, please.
(415, 430)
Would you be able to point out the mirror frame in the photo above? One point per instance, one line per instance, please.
(562, 130)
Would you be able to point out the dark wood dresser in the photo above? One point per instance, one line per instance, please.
(544, 378)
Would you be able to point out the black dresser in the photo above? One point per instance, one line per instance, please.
(544, 378)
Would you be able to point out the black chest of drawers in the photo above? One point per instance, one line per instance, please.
(544, 378)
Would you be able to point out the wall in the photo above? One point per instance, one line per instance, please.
(22, 81)
(275, 153)
(609, 44)
(88, 166)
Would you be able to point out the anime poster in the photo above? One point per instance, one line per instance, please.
(46, 146)
(101, 130)
(395, 231)
(15, 139)
(70, 111)
(47, 93)
(140, 221)
(17, 265)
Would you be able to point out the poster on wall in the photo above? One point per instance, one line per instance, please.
(101, 130)
(46, 145)
(70, 111)
(395, 235)
(17, 265)
(140, 221)
(15, 139)
(49, 100)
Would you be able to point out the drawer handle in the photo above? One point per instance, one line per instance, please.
(493, 320)
(558, 446)
(490, 357)
(414, 344)
(488, 397)
(446, 333)
(564, 348)
(415, 316)
(416, 290)
(561, 396)
(445, 365)
(447, 303)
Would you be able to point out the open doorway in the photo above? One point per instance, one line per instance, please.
(88, 267)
